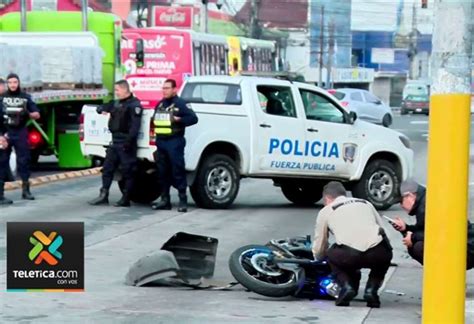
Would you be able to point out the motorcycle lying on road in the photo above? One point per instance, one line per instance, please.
(283, 267)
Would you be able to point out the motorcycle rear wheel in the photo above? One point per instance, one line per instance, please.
(252, 268)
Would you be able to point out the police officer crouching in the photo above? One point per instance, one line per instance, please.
(360, 242)
(16, 107)
(171, 117)
(124, 124)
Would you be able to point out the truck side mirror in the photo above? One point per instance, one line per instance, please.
(352, 117)
(139, 53)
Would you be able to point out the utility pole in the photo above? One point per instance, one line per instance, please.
(23, 10)
(321, 47)
(255, 31)
(444, 284)
(331, 43)
(412, 49)
(85, 12)
(204, 16)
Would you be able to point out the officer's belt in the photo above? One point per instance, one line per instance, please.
(119, 136)
(336, 206)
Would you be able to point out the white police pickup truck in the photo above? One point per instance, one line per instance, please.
(294, 133)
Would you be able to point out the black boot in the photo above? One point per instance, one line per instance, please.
(103, 198)
(371, 295)
(124, 201)
(26, 194)
(346, 294)
(183, 203)
(163, 204)
(3, 200)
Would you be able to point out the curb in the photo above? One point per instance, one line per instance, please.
(53, 178)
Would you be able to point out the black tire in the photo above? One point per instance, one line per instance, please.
(387, 120)
(381, 172)
(258, 286)
(403, 112)
(146, 187)
(97, 161)
(302, 194)
(216, 168)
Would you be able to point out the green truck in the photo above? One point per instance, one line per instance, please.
(58, 131)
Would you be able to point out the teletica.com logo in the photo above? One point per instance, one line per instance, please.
(45, 248)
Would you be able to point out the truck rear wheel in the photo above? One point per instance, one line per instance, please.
(217, 182)
(302, 194)
(146, 187)
(379, 184)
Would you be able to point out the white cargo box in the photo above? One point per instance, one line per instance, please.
(49, 39)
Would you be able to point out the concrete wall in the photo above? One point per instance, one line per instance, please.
(381, 87)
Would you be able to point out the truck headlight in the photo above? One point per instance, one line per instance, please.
(406, 141)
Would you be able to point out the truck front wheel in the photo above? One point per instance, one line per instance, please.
(217, 182)
(379, 184)
(146, 187)
(302, 194)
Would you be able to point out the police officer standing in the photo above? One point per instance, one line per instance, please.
(360, 242)
(16, 107)
(124, 124)
(172, 115)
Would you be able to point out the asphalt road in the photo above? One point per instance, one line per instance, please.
(117, 237)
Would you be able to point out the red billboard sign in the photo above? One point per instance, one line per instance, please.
(167, 55)
(164, 16)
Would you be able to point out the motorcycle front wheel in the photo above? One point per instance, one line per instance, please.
(253, 268)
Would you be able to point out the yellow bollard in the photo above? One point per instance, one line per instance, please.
(444, 270)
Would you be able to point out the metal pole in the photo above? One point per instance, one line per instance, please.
(321, 47)
(444, 284)
(331, 42)
(254, 19)
(23, 14)
(206, 18)
(84, 5)
(413, 44)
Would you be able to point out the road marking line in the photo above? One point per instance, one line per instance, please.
(409, 130)
(419, 122)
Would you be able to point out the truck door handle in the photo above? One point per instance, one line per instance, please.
(265, 125)
(311, 129)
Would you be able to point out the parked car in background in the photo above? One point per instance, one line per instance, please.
(366, 105)
(416, 98)
(416, 104)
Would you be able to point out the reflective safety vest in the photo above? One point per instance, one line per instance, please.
(163, 120)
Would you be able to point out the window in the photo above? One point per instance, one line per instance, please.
(371, 98)
(197, 61)
(228, 94)
(320, 108)
(339, 95)
(276, 101)
(356, 96)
